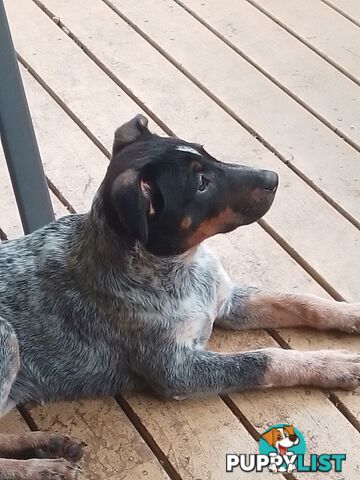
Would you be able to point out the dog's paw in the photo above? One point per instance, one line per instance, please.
(351, 318)
(59, 469)
(336, 369)
(61, 446)
(48, 469)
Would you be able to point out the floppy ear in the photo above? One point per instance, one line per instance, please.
(131, 203)
(269, 437)
(289, 429)
(130, 132)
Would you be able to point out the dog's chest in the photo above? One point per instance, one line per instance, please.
(194, 322)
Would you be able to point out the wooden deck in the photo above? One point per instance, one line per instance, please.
(270, 83)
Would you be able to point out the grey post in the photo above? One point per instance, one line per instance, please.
(18, 139)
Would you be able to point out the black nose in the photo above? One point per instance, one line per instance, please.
(293, 438)
(270, 180)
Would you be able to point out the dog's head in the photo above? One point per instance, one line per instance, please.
(281, 438)
(171, 195)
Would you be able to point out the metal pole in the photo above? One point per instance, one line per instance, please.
(18, 139)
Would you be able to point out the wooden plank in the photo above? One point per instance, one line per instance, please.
(349, 7)
(156, 413)
(13, 423)
(196, 435)
(193, 116)
(322, 27)
(36, 45)
(86, 165)
(9, 216)
(324, 158)
(165, 22)
(115, 449)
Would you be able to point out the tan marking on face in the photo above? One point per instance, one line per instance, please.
(212, 226)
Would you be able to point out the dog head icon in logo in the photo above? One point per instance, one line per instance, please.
(283, 443)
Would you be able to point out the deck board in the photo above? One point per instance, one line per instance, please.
(9, 216)
(165, 22)
(196, 435)
(349, 7)
(304, 141)
(115, 449)
(40, 46)
(338, 41)
(13, 423)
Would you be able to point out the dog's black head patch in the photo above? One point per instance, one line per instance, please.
(171, 195)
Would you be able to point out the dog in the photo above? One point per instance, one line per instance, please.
(281, 439)
(125, 297)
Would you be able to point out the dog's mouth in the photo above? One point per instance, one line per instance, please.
(282, 450)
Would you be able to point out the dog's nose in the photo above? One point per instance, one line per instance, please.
(270, 180)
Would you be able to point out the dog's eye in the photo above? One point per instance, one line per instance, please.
(203, 183)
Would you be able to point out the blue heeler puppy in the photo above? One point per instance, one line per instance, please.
(125, 297)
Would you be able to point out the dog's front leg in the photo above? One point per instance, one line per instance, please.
(248, 308)
(184, 372)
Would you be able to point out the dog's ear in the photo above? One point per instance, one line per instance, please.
(270, 437)
(131, 199)
(289, 429)
(130, 132)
